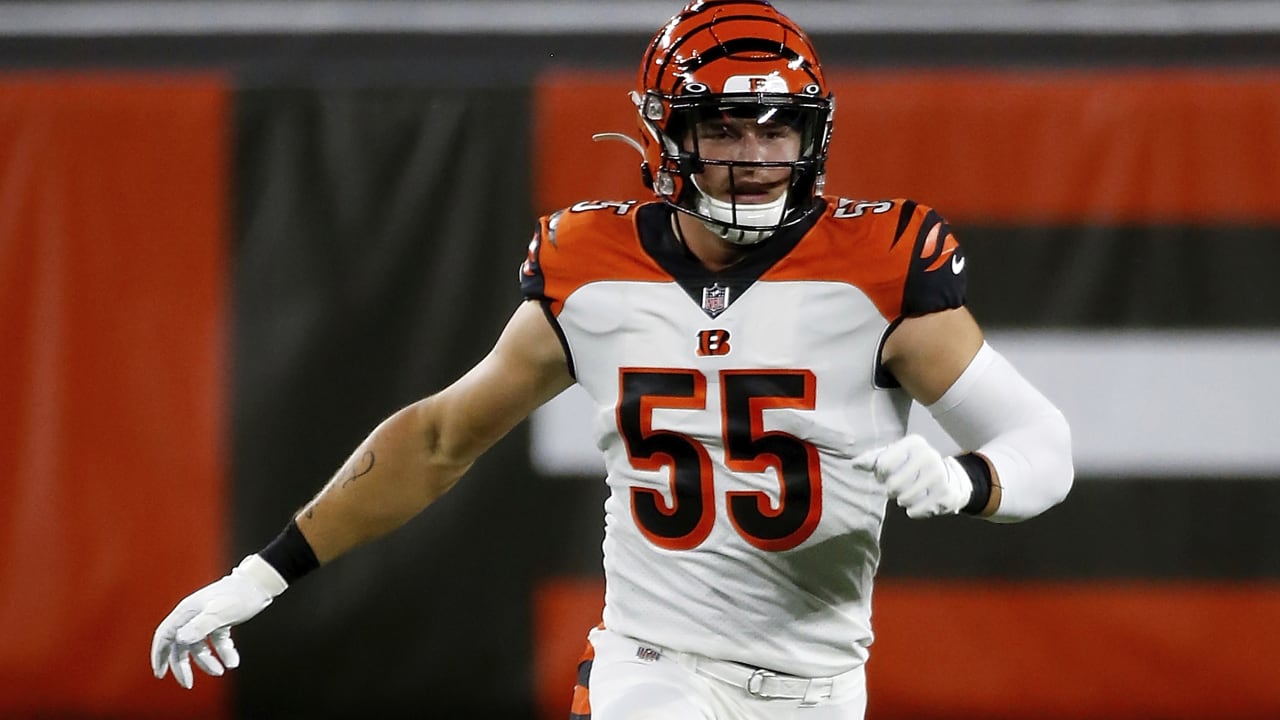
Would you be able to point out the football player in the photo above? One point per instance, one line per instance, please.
(752, 346)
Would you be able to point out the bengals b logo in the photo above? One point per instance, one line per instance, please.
(713, 342)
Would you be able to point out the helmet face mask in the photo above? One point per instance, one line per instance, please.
(739, 63)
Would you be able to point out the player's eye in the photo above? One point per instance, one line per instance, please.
(777, 132)
(714, 131)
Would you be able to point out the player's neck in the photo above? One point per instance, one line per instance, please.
(713, 252)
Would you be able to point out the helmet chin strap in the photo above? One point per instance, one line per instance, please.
(725, 215)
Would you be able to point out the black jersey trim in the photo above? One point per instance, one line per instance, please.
(564, 341)
(532, 283)
(881, 377)
(659, 240)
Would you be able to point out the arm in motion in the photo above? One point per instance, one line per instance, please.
(406, 463)
(1017, 445)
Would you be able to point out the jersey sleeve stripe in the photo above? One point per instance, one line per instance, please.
(905, 213)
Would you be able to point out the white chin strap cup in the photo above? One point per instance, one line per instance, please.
(725, 214)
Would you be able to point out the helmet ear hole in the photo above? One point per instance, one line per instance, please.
(666, 185)
(646, 175)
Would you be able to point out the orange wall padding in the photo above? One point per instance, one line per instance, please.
(1039, 146)
(1075, 650)
(113, 244)
(1010, 651)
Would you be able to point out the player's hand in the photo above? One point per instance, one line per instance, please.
(918, 477)
(200, 625)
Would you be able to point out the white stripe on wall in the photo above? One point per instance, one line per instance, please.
(106, 18)
(1174, 404)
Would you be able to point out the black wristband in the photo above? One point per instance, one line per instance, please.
(979, 473)
(290, 554)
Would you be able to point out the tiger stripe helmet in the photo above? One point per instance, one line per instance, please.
(739, 54)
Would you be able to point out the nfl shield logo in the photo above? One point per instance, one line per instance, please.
(715, 299)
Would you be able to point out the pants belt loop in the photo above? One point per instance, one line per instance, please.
(817, 689)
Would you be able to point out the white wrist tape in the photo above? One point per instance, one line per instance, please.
(992, 410)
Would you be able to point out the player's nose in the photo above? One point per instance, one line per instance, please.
(751, 148)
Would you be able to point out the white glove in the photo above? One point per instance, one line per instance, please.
(208, 614)
(918, 477)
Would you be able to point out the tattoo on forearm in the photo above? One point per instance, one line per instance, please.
(363, 468)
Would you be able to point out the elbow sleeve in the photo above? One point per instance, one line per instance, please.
(995, 412)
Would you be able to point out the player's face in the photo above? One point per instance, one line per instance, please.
(750, 139)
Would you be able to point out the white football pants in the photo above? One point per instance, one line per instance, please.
(631, 680)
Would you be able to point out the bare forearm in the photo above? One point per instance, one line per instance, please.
(417, 454)
(392, 476)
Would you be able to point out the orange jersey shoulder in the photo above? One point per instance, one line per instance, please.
(587, 242)
(901, 253)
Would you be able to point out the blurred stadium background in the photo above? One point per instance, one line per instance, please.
(235, 235)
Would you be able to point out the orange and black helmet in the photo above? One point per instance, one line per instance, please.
(739, 56)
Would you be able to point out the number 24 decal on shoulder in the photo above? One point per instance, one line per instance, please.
(685, 521)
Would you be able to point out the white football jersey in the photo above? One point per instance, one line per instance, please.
(728, 406)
